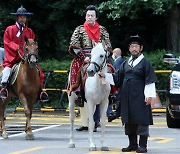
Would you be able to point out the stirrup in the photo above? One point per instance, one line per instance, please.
(3, 93)
(44, 96)
(79, 101)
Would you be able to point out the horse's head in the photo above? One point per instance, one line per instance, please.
(31, 51)
(98, 59)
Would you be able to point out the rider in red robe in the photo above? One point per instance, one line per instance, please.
(13, 45)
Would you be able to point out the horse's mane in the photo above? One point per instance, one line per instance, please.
(98, 47)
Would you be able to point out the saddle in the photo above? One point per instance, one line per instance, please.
(81, 96)
(13, 74)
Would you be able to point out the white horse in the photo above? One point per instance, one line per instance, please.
(96, 92)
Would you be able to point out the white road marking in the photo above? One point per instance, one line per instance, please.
(36, 130)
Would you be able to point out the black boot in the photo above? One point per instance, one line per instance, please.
(43, 96)
(142, 145)
(133, 146)
(4, 91)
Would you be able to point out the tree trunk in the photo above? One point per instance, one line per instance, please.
(173, 29)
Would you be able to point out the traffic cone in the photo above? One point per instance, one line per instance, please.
(156, 103)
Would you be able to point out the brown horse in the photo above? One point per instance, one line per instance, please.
(25, 87)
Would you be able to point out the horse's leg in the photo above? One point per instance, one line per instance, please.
(103, 110)
(2, 109)
(29, 134)
(91, 109)
(27, 111)
(71, 118)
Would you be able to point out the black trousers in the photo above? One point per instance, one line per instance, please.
(142, 130)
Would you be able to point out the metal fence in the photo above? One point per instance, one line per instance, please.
(63, 90)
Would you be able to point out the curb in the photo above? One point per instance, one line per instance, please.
(50, 109)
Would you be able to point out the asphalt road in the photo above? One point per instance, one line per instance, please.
(51, 131)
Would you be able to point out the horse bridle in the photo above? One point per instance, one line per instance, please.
(99, 67)
(27, 55)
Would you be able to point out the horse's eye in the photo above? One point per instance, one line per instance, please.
(101, 56)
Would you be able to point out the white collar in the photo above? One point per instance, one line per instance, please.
(17, 24)
(18, 33)
(136, 61)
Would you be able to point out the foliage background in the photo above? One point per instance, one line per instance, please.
(55, 20)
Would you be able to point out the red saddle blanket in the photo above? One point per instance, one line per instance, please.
(77, 80)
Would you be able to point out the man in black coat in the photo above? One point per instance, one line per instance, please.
(136, 78)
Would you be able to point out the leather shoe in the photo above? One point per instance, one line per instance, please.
(111, 118)
(82, 128)
(141, 150)
(130, 148)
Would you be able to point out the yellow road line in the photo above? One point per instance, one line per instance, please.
(101, 152)
(28, 150)
(159, 123)
(161, 139)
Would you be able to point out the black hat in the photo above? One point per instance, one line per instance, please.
(134, 39)
(22, 11)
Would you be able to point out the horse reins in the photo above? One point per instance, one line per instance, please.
(27, 56)
(99, 67)
(23, 59)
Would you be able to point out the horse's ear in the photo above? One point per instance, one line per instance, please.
(94, 43)
(25, 38)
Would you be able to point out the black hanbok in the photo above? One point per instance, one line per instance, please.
(132, 81)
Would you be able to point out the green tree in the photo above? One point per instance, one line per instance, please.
(53, 22)
(135, 9)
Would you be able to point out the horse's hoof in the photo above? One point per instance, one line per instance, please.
(92, 149)
(5, 136)
(29, 137)
(104, 148)
(71, 145)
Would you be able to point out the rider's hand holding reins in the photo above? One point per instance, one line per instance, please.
(87, 60)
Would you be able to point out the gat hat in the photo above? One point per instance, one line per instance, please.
(134, 39)
(22, 11)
